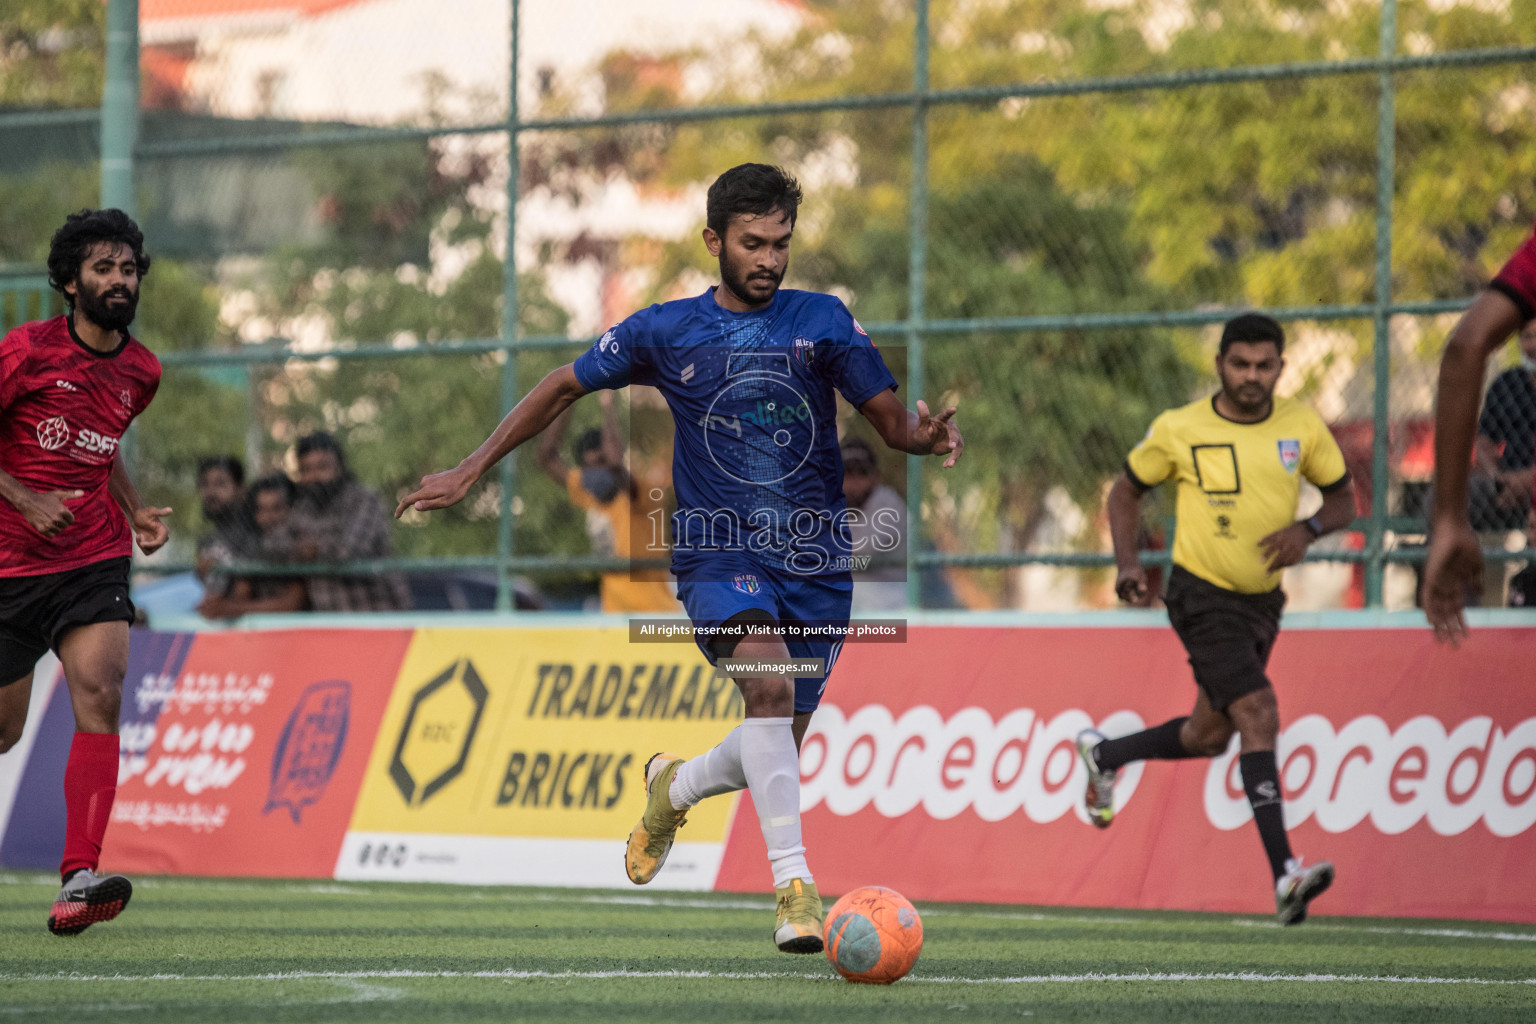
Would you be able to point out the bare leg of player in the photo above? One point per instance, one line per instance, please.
(95, 658)
(761, 755)
(14, 699)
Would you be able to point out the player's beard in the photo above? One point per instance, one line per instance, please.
(746, 285)
(108, 315)
(1248, 399)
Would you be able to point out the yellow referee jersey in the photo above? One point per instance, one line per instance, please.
(1237, 483)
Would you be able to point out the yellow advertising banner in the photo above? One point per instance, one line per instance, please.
(539, 733)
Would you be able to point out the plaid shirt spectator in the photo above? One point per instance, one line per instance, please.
(349, 523)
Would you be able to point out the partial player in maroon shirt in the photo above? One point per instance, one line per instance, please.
(1455, 561)
(69, 515)
(64, 407)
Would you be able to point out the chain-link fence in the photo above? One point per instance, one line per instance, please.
(1042, 212)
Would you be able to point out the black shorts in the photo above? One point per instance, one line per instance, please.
(1228, 634)
(36, 611)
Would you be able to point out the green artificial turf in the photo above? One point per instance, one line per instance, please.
(241, 950)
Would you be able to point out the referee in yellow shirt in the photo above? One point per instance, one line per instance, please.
(1238, 460)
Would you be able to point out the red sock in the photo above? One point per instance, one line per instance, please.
(90, 786)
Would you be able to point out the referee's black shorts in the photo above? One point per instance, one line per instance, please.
(36, 611)
(1228, 634)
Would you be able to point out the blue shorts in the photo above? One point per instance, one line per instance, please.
(715, 595)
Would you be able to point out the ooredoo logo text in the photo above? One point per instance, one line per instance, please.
(1448, 776)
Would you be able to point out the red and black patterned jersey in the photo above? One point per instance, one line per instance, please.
(63, 410)
(1518, 278)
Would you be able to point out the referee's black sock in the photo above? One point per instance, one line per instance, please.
(1261, 781)
(1159, 743)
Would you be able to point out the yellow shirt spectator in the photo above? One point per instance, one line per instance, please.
(617, 527)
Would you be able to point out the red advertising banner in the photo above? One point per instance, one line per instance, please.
(248, 758)
(945, 768)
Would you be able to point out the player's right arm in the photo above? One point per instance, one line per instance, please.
(553, 395)
(1149, 464)
(1124, 506)
(1455, 559)
(45, 513)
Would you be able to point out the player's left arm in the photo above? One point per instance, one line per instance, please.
(148, 528)
(916, 433)
(1322, 463)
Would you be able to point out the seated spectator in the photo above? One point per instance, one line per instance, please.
(877, 527)
(267, 505)
(618, 510)
(231, 536)
(337, 519)
(1505, 451)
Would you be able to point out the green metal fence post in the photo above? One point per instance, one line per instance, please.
(504, 591)
(1386, 129)
(917, 290)
(120, 105)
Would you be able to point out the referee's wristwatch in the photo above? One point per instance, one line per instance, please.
(1314, 526)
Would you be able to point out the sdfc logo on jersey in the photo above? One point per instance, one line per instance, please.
(805, 350)
(53, 434)
(1290, 454)
(747, 583)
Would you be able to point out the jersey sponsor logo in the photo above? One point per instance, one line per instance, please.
(1290, 454)
(687, 374)
(609, 342)
(99, 444)
(66, 385)
(746, 583)
(805, 350)
(309, 747)
(53, 434)
(1224, 527)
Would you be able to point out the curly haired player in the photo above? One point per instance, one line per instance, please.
(69, 387)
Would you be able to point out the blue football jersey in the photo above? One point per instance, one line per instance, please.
(756, 463)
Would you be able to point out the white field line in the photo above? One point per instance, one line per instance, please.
(1438, 933)
(513, 895)
(517, 975)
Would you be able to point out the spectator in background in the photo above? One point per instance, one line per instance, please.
(231, 536)
(337, 519)
(267, 506)
(877, 528)
(619, 510)
(1505, 450)
(1522, 588)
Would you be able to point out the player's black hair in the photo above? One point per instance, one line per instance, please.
(71, 243)
(271, 482)
(757, 189)
(587, 441)
(228, 463)
(1251, 327)
(321, 441)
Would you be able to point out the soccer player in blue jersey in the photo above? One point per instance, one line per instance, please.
(760, 539)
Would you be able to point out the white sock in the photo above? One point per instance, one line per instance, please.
(772, 768)
(716, 771)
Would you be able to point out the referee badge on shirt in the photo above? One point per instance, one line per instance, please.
(1290, 454)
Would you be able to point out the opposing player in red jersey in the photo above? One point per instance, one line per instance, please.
(69, 387)
(1455, 559)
